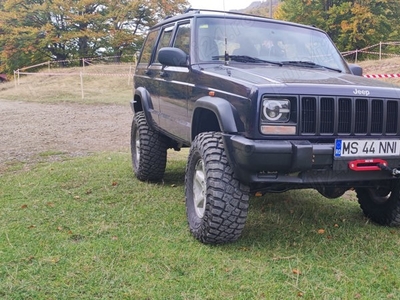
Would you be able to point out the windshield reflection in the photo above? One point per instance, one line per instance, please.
(264, 41)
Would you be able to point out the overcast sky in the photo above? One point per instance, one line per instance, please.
(219, 4)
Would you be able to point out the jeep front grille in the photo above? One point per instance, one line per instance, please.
(348, 116)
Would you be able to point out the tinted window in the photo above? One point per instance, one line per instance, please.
(165, 38)
(148, 47)
(182, 39)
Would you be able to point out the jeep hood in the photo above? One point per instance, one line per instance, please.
(266, 74)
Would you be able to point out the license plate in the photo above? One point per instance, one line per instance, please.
(366, 148)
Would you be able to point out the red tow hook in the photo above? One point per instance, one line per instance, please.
(367, 164)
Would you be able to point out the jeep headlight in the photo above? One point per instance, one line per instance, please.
(274, 110)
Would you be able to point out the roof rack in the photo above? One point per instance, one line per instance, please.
(199, 10)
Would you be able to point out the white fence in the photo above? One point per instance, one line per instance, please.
(376, 49)
(58, 68)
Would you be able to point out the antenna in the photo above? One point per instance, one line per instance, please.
(270, 8)
(226, 56)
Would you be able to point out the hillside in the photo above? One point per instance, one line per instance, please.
(384, 66)
(260, 8)
(103, 83)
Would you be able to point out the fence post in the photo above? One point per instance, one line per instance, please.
(83, 95)
(130, 74)
(356, 56)
(380, 50)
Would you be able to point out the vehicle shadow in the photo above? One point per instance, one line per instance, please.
(301, 218)
(297, 217)
(175, 175)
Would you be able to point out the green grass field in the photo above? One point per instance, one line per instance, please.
(85, 228)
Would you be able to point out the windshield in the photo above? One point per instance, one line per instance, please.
(264, 42)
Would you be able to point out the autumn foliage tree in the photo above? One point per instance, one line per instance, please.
(351, 24)
(33, 31)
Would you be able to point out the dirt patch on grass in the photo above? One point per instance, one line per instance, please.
(29, 131)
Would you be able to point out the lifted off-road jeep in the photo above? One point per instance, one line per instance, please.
(265, 106)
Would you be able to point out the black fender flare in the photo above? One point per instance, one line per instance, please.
(142, 102)
(226, 113)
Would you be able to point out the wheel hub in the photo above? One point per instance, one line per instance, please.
(379, 195)
(137, 146)
(199, 189)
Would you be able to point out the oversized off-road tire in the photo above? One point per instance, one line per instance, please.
(216, 202)
(148, 150)
(381, 205)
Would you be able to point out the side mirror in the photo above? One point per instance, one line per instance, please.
(174, 57)
(356, 69)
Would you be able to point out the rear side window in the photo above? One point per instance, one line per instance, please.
(148, 47)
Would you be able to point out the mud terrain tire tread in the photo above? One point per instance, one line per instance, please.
(227, 200)
(381, 212)
(150, 166)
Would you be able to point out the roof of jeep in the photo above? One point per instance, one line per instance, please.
(191, 13)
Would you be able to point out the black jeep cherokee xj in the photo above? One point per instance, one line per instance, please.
(265, 106)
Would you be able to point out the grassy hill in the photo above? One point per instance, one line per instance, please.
(112, 84)
(384, 66)
(107, 84)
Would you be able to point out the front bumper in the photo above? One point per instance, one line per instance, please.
(298, 162)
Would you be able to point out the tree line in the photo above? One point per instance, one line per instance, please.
(352, 24)
(33, 31)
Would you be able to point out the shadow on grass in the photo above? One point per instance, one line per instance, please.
(175, 177)
(175, 174)
(302, 218)
(298, 218)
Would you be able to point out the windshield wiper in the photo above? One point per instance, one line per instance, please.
(308, 64)
(247, 59)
